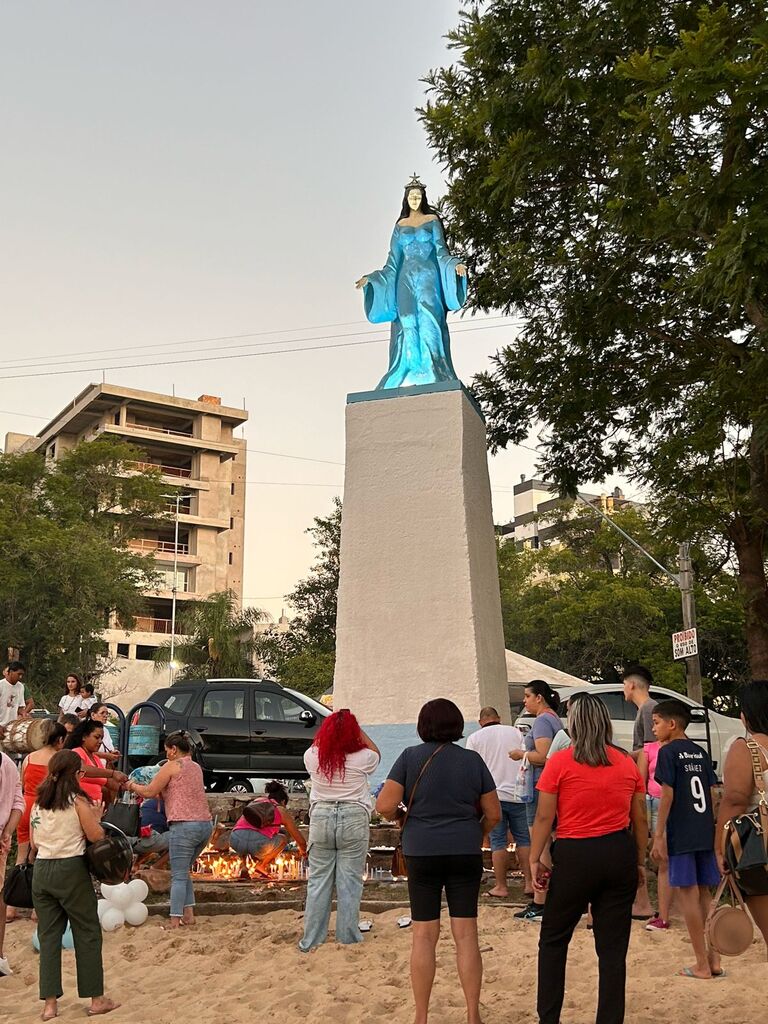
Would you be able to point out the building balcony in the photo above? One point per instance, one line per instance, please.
(163, 546)
(176, 471)
(148, 624)
(177, 438)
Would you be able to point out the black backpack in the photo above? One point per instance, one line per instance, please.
(746, 838)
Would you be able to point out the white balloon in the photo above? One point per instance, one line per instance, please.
(102, 907)
(119, 896)
(138, 889)
(136, 914)
(107, 890)
(112, 919)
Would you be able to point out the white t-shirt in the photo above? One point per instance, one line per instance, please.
(70, 703)
(353, 787)
(493, 743)
(561, 742)
(11, 699)
(87, 702)
(106, 744)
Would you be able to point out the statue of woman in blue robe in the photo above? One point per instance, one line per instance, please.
(414, 290)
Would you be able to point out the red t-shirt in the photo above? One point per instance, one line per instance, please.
(591, 801)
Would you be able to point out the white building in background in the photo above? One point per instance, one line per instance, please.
(535, 507)
(194, 444)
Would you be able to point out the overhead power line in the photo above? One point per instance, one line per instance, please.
(217, 359)
(24, 361)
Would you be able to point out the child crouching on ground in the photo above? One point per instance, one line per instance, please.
(684, 771)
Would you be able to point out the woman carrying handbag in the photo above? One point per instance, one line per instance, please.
(62, 820)
(452, 804)
(340, 763)
(745, 780)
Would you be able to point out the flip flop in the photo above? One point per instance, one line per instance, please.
(495, 896)
(687, 972)
(100, 1013)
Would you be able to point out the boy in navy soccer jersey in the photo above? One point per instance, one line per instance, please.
(684, 772)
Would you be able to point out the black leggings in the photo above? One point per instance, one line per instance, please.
(601, 872)
(459, 874)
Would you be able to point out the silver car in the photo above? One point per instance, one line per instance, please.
(722, 730)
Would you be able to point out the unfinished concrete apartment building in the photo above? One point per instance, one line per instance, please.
(193, 443)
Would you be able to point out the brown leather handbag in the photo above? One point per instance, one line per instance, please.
(399, 866)
(729, 928)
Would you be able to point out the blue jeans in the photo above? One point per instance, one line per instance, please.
(339, 834)
(187, 842)
(249, 843)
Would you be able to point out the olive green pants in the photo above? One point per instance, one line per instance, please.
(62, 890)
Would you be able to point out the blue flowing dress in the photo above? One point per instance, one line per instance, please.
(413, 291)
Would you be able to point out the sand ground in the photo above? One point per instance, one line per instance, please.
(244, 968)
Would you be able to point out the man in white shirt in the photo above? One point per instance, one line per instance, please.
(12, 703)
(493, 742)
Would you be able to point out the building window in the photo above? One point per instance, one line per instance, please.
(231, 488)
(231, 523)
(122, 650)
(144, 652)
(230, 558)
(182, 580)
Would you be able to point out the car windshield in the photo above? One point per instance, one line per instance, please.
(313, 704)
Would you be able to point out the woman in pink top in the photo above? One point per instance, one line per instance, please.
(646, 764)
(264, 844)
(180, 784)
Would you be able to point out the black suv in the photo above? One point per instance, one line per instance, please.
(242, 728)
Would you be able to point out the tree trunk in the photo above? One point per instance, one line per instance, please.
(749, 543)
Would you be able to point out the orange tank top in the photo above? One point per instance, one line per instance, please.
(33, 776)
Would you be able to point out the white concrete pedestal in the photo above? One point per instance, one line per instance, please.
(419, 613)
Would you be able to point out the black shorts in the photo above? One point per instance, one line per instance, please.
(459, 874)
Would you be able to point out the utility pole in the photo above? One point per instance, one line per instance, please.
(178, 498)
(692, 664)
(684, 581)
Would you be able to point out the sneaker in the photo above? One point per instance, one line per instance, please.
(532, 912)
(5, 967)
(657, 925)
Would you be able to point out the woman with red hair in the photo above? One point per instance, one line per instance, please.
(339, 763)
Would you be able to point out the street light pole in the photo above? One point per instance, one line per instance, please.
(178, 498)
(692, 664)
(684, 581)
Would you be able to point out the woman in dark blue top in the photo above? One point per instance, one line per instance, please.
(454, 805)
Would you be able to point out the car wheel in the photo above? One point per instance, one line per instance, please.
(239, 786)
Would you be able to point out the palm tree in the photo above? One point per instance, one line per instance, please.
(216, 639)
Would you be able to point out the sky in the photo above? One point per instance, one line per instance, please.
(177, 175)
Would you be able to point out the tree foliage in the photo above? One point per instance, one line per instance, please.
(607, 164)
(65, 566)
(590, 604)
(216, 639)
(305, 656)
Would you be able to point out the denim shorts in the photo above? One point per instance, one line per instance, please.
(686, 869)
(652, 807)
(514, 820)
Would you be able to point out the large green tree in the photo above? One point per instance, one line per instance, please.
(591, 604)
(608, 165)
(305, 656)
(66, 564)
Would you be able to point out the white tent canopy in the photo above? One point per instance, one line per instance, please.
(522, 670)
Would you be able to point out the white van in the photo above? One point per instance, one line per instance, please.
(722, 730)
